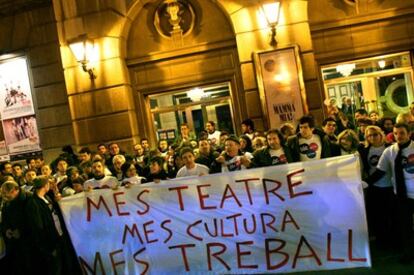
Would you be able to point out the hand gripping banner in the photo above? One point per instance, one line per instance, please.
(287, 218)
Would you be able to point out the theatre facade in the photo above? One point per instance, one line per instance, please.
(119, 70)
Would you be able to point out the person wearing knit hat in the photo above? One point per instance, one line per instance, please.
(231, 159)
(233, 138)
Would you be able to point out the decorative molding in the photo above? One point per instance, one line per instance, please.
(174, 19)
(356, 3)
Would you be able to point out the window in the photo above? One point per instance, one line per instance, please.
(381, 83)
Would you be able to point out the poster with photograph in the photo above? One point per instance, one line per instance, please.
(281, 88)
(15, 93)
(21, 134)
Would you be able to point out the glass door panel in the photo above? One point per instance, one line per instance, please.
(194, 107)
(382, 83)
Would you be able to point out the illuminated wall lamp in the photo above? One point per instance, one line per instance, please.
(83, 50)
(271, 11)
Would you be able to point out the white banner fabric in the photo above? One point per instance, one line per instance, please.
(287, 218)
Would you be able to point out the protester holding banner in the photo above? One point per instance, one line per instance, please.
(191, 168)
(231, 159)
(130, 175)
(206, 154)
(100, 180)
(156, 170)
(308, 144)
(380, 195)
(275, 153)
(398, 161)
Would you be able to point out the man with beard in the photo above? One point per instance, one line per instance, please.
(213, 134)
(275, 153)
(100, 180)
(206, 154)
(397, 160)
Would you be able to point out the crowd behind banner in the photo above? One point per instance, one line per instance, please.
(31, 223)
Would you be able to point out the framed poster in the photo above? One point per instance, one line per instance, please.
(331, 92)
(21, 134)
(15, 92)
(343, 90)
(281, 86)
(17, 114)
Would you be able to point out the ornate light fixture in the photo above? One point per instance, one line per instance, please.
(381, 64)
(195, 94)
(345, 69)
(83, 49)
(271, 10)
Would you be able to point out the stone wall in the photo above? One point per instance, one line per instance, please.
(33, 34)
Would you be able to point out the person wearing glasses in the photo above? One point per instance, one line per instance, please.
(380, 194)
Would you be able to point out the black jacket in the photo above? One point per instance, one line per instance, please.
(262, 158)
(13, 224)
(293, 144)
(207, 160)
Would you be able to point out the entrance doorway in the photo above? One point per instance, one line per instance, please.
(194, 106)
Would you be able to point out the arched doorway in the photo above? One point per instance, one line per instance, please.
(168, 61)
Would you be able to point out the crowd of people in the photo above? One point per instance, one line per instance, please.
(29, 193)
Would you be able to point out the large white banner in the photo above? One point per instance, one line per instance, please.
(287, 218)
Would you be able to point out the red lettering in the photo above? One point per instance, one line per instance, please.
(283, 262)
(90, 202)
(241, 253)
(215, 229)
(183, 253)
(269, 224)
(290, 220)
(132, 233)
(234, 217)
(291, 185)
(350, 255)
(202, 196)
(117, 204)
(246, 185)
(329, 253)
(147, 207)
(254, 225)
(273, 191)
(180, 196)
(216, 255)
(167, 229)
(224, 234)
(311, 255)
(144, 263)
(114, 264)
(97, 261)
(231, 195)
(189, 232)
(148, 232)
